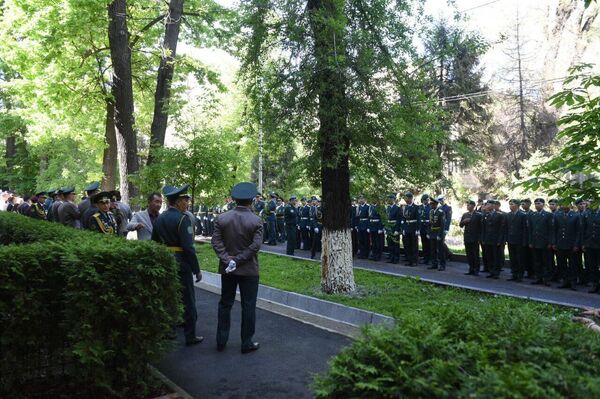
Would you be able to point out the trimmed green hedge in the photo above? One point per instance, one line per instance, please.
(491, 352)
(83, 310)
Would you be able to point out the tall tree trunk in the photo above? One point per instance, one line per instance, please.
(122, 90)
(11, 151)
(522, 127)
(109, 160)
(162, 95)
(328, 25)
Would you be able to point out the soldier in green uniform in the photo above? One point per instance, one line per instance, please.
(528, 257)
(103, 220)
(516, 237)
(290, 214)
(590, 245)
(393, 229)
(471, 221)
(375, 231)
(279, 213)
(174, 229)
(582, 277)
(492, 233)
(437, 222)
(566, 243)
(424, 209)
(412, 227)
(539, 224)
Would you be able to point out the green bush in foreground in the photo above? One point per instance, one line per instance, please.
(491, 352)
(87, 313)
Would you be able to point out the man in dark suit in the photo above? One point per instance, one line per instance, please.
(236, 239)
(86, 203)
(174, 229)
(539, 230)
(471, 221)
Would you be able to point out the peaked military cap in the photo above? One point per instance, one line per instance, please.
(303, 199)
(93, 186)
(68, 190)
(273, 194)
(578, 201)
(424, 197)
(293, 197)
(314, 198)
(392, 196)
(514, 201)
(471, 202)
(244, 191)
(526, 201)
(179, 192)
(59, 191)
(553, 201)
(103, 196)
(115, 195)
(408, 194)
(541, 200)
(440, 198)
(436, 200)
(167, 188)
(41, 194)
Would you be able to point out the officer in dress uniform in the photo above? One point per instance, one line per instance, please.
(58, 200)
(566, 243)
(305, 225)
(412, 227)
(290, 214)
(516, 238)
(393, 229)
(540, 229)
(271, 217)
(375, 232)
(174, 229)
(437, 221)
(353, 220)
(317, 227)
(424, 209)
(103, 220)
(554, 270)
(448, 211)
(280, 214)
(590, 245)
(493, 231)
(37, 210)
(471, 221)
(68, 213)
(582, 277)
(363, 228)
(528, 258)
(299, 206)
(85, 204)
(48, 203)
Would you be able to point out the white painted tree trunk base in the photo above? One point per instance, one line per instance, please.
(337, 274)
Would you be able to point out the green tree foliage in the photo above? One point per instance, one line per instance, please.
(392, 122)
(575, 171)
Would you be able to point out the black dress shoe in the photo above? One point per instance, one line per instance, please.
(469, 273)
(489, 276)
(194, 341)
(253, 347)
(537, 282)
(220, 347)
(432, 267)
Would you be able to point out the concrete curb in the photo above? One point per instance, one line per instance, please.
(332, 316)
(176, 388)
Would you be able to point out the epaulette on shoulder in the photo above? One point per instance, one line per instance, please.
(97, 214)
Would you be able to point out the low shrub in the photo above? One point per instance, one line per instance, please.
(493, 352)
(87, 309)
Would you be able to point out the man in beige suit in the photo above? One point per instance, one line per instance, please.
(236, 239)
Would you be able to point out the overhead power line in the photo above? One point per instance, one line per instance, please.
(480, 5)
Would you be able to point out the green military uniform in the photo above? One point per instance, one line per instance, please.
(437, 222)
(539, 225)
(290, 213)
(102, 222)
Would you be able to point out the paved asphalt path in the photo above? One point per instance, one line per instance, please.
(291, 353)
(454, 276)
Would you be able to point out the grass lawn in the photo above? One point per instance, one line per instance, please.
(389, 295)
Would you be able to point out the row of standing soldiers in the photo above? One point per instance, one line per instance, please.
(546, 245)
(99, 211)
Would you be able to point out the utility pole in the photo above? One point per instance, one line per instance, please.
(260, 142)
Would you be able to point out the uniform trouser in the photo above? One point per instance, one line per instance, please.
(376, 245)
(437, 254)
(541, 263)
(411, 247)
(555, 271)
(425, 244)
(592, 264)
(363, 244)
(281, 236)
(472, 250)
(354, 236)
(484, 258)
(493, 252)
(306, 241)
(578, 264)
(528, 258)
(316, 244)
(394, 247)
(272, 231)
(290, 230)
(248, 290)
(189, 303)
(298, 237)
(516, 255)
(566, 265)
